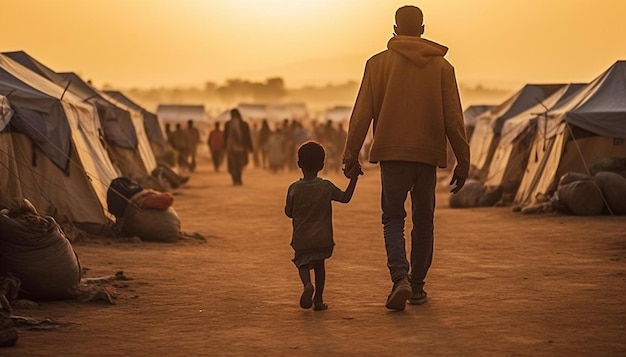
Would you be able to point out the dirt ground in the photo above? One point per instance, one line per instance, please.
(501, 284)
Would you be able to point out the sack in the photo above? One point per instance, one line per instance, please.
(152, 225)
(119, 193)
(613, 187)
(34, 249)
(582, 198)
(468, 196)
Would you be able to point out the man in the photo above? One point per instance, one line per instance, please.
(238, 144)
(193, 135)
(180, 142)
(409, 91)
(216, 146)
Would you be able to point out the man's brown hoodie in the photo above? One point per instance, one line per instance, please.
(411, 94)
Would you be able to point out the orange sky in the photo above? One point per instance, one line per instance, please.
(146, 43)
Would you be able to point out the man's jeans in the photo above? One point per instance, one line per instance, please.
(399, 178)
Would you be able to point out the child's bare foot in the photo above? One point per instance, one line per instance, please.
(320, 306)
(306, 300)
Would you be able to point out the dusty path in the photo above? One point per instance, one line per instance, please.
(502, 284)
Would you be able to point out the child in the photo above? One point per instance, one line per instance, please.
(309, 206)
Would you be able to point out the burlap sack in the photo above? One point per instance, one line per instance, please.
(153, 225)
(35, 250)
(613, 187)
(468, 196)
(582, 198)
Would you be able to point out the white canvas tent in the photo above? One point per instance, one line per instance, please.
(181, 113)
(143, 143)
(589, 126)
(471, 113)
(151, 123)
(511, 155)
(489, 125)
(337, 114)
(122, 128)
(273, 113)
(51, 153)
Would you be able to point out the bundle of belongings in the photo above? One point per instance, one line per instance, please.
(586, 195)
(144, 213)
(36, 251)
(603, 191)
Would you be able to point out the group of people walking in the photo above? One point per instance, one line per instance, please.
(185, 141)
(268, 148)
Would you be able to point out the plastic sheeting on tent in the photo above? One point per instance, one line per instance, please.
(143, 143)
(39, 112)
(151, 123)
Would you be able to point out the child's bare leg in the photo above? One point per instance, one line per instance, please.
(306, 299)
(320, 281)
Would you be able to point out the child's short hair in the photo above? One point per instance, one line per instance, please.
(311, 156)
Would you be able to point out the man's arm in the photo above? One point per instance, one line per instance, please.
(455, 128)
(360, 120)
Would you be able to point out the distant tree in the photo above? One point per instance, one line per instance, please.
(210, 87)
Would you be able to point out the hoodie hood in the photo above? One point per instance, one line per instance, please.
(418, 50)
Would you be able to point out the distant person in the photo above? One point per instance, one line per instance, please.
(410, 94)
(289, 146)
(180, 142)
(238, 142)
(309, 205)
(263, 138)
(193, 135)
(256, 150)
(216, 146)
(275, 149)
(169, 155)
(169, 134)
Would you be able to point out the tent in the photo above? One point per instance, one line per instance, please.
(489, 125)
(576, 133)
(337, 114)
(151, 123)
(52, 150)
(512, 153)
(122, 128)
(181, 113)
(471, 113)
(143, 142)
(123, 135)
(273, 113)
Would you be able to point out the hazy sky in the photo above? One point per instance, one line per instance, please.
(146, 43)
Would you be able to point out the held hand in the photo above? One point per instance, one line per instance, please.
(458, 181)
(352, 169)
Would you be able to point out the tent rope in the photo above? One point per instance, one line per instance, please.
(32, 172)
(580, 153)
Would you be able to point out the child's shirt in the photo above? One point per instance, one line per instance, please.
(309, 206)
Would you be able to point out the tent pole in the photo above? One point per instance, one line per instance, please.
(580, 153)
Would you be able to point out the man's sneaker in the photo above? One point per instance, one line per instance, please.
(418, 297)
(399, 294)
